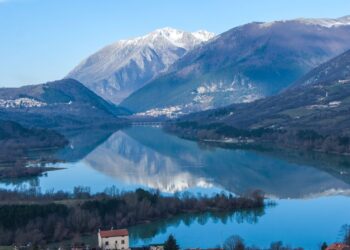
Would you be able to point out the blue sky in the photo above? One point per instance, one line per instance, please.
(42, 40)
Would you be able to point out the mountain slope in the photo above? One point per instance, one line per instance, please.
(318, 101)
(242, 65)
(314, 112)
(123, 67)
(60, 103)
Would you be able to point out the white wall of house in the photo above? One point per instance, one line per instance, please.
(120, 242)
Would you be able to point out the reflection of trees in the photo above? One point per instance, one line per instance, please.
(334, 164)
(240, 169)
(202, 219)
(81, 143)
(148, 231)
(23, 183)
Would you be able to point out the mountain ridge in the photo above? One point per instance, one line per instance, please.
(120, 68)
(313, 114)
(240, 65)
(59, 103)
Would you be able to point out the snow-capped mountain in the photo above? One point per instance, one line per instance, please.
(123, 67)
(241, 65)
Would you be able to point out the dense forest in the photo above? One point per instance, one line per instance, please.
(31, 216)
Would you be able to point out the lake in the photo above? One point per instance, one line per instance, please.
(311, 190)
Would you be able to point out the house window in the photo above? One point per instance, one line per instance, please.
(106, 243)
(123, 241)
(116, 242)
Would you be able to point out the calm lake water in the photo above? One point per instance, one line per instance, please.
(311, 190)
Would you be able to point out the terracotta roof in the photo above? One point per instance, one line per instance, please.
(338, 246)
(114, 233)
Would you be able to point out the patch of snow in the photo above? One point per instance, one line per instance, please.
(268, 24)
(179, 38)
(326, 22)
(117, 70)
(203, 35)
(323, 22)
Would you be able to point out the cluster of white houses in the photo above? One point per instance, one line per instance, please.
(118, 239)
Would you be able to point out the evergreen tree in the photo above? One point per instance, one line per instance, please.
(345, 231)
(324, 246)
(171, 243)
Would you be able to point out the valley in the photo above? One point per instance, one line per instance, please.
(187, 133)
(310, 115)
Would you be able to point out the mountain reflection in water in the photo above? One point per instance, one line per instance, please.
(148, 157)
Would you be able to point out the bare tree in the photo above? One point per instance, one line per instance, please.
(234, 243)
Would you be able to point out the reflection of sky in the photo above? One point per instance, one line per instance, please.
(305, 223)
(149, 158)
(79, 174)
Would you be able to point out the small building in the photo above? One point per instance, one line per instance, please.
(338, 246)
(114, 239)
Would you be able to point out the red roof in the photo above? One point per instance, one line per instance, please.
(114, 233)
(338, 246)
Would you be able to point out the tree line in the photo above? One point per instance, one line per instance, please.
(306, 139)
(39, 218)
